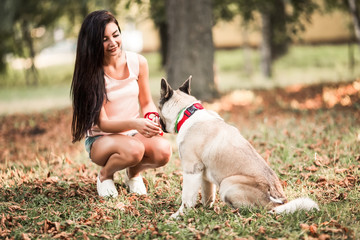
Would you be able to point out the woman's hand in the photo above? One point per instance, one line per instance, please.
(154, 116)
(147, 127)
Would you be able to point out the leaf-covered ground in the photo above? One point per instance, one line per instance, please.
(310, 135)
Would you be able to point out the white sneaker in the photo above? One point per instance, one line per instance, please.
(135, 184)
(106, 188)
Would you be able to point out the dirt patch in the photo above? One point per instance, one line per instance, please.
(39, 136)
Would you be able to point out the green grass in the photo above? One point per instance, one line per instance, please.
(302, 65)
(34, 99)
(57, 197)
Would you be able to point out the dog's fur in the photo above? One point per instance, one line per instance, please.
(213, 153)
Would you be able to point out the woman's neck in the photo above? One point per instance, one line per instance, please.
(116, 67)
(114, 61)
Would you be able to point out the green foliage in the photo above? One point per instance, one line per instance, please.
(22, 19)
(331, 5)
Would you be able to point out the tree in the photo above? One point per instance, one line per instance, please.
(277, 24)
(20, 20)
(191, 50)
(158, 15)
(354, 11)
(351, 6)
(157, 11)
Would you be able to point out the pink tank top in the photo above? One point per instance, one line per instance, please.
(122, 96)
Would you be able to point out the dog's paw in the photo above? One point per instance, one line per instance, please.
(176, 215)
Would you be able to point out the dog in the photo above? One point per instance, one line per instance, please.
(215, 154)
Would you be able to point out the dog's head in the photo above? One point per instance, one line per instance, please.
(172, 102)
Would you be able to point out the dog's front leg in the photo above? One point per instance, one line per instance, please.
(191, 186)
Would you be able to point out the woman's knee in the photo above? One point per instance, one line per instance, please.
(135, 152)
(163, 153)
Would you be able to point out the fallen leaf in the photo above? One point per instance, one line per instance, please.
(332, 230)
(227, 224)
(25, 236)
(261, 230)
(70, 222)
(312, 168)
(324, 237)
(217, 227)
(304, 226)
(313, 229)
(341, 170)
(217, 209)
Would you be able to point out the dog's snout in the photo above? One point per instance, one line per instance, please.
(163, 126)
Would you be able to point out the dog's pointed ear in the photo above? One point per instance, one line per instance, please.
(185, 87)
(166, 91)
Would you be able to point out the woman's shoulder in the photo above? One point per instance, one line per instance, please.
(138, 56)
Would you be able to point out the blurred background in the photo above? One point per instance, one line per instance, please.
(225, 44)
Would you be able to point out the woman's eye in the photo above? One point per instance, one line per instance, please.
(116, 35)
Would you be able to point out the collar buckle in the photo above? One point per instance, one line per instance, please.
(187, 113)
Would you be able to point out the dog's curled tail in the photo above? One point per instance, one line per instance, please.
(303, 203)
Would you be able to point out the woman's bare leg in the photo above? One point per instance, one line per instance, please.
(157, 153)
(116, 152)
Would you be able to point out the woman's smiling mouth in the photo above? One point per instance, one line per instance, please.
(113, 49)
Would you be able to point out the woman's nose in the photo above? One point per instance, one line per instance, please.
(112, 42)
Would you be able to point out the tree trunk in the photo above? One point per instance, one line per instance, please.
(274, 35)
(191, 50)
(266, 45)
(356, 18)
(279, 36)
(32, 75)
(163, 30)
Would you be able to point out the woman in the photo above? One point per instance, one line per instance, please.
(109, 89)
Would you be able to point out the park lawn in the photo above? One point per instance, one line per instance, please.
(310, 135)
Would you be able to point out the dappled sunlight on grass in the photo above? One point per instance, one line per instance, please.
(296, 97)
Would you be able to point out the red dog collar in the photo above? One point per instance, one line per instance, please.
(151, 116)
(187, 113)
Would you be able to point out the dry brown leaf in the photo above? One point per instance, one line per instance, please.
(312, 168)
(341, 170)
(313, 228)
(332, 230)
(85, 237)
(324, 237)
(304, 226)
(25, 236)
(217, 210)
(261, 230)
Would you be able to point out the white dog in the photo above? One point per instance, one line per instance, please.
(213, 153)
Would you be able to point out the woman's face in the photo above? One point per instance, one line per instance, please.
(112, 40)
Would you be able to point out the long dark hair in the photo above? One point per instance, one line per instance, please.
(88, 91)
